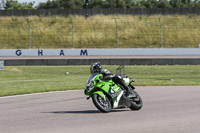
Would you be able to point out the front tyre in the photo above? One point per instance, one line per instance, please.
(136, 103)
(103, 104)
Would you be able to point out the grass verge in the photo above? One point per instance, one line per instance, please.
(100, 32)
(15, 80)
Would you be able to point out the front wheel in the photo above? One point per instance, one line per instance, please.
(136, 103)
(103, 104)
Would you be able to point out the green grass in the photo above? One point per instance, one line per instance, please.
(100, 32)
(16, 80)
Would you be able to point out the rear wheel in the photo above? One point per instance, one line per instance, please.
(103, 104)
(136, 103)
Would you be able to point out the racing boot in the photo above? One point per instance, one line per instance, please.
(119, 80)
(127, 88)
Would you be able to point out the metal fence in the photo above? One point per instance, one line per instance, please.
(99, 32)
(107, 11)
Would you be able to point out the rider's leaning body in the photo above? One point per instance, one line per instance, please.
(106, 75)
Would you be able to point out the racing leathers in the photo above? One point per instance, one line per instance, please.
(106, 75)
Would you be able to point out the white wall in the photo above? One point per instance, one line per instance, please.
(100, 52)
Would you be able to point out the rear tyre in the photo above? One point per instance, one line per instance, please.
(103, 104)
(136, 103)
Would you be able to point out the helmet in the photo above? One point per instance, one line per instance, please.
(95, 68)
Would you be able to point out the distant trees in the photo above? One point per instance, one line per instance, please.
(49, 5)
(73, 4)
(79, 4)
(14, 5)
(62, 4)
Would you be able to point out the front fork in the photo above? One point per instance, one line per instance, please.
(100, 93)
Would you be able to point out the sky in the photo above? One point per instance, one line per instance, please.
(36, 1)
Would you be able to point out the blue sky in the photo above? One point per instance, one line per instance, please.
(36, 1)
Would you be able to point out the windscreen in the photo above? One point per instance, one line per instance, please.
(92, 76)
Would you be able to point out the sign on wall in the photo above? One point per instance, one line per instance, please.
(100, 52)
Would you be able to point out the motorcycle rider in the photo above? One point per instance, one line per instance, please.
(96, 68)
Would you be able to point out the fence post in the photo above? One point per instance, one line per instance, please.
(28, 12)
(29, 33)
(125, 11)
(161, 34)
(1, 64)
(44, 11)
(72, 32)
(86, 8)
(116, 33)
(12, 13)
(141, 11)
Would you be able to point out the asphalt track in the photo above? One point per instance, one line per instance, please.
(171, 109)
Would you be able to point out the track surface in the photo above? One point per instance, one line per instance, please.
(166, 110)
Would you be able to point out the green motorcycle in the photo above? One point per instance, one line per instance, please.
(107, 95)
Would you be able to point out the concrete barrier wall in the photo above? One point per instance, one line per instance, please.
(100, 52)
(103, 62)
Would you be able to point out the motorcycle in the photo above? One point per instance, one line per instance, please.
(106, 95)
